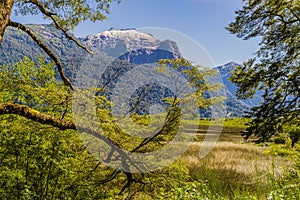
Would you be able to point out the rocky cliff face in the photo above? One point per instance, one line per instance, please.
(118, 43)
(225, 73)
(144, 56)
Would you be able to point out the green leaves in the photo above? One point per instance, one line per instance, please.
(34, 85)
(39, 161)
(68, 14)
(198, 79)
(275, 68)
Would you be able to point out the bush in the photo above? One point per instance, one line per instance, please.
(290, 192)
(190, 190)
(294, 135)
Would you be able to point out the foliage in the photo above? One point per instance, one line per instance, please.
(65, 15)
(32, 85)
(189, 190)
(197, 77)
(275, 68)
(39, 161)
(17, 44)
(286, 192)
(294, 135)
(283, 150)
(287, 186)
(68, 14)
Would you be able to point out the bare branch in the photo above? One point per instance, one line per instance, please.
(110, 177)
(295, 15)
(51, 16)
(46, 49)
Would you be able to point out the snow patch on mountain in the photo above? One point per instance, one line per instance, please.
(119, 42)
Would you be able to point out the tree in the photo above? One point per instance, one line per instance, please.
(275, 67)
(65, 15)
(5, 12)
(33, 100)
(39, 158)
(31, 91)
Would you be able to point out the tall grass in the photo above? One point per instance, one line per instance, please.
(233, 169)
(228, 122)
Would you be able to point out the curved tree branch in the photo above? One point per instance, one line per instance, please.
(34, 115)
(51, 16)
(295, 15)
(45, 48)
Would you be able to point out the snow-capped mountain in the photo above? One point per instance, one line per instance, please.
(125, 45)
(117, 43)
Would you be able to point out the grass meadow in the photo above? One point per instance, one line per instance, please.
(236, 169)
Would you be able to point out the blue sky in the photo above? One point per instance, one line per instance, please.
(202, 20)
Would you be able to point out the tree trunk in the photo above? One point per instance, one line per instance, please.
(5, 11)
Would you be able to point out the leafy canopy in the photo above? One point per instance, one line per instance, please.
(275, 67)
(42, 161)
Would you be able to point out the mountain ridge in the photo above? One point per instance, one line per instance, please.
(125, 44)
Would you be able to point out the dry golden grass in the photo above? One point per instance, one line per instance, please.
(234, 162)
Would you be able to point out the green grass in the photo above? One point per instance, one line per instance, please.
(234, 169)
(228, 122)
(238, 170)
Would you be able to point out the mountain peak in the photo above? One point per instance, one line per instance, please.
(126, 44)
(228, 67)
(117, 42)
(232, 64)
(128, 34)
